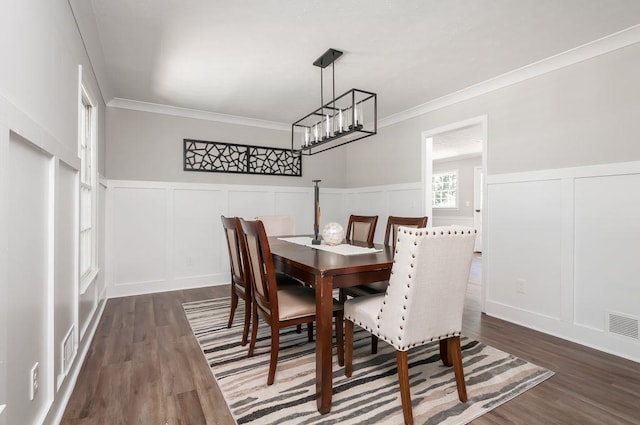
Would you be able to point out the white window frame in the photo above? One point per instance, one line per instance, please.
(87, 136)
(435, 191)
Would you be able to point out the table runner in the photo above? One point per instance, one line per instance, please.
(342, 249)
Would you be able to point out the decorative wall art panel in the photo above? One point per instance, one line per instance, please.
(218, 157)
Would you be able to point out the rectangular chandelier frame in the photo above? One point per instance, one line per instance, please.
(338, 122)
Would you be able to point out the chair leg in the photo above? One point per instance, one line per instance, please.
(445, 353)
(275, 346)
(310, 331)
(247, 320)
(374, 344)
(456, 359)
(234, 305)
(405, 394)
(348, 348)
(340, 338)
(254, 331)
(298, 329)
(342, 297)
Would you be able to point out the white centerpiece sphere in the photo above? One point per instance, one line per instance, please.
(332, 234)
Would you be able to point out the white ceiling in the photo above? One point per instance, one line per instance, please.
(253, 58)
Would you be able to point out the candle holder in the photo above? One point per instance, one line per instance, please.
(316, 214)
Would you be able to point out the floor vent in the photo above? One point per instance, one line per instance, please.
(68, 351)
(623, 325)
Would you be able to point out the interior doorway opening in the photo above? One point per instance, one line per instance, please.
(454, 166)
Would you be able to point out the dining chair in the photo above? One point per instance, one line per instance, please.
(278, 225)
(390, 238)
(240, 286)
(361, 228)
(423, 303)
(279, 306)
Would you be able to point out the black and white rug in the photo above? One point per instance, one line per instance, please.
(370, 396)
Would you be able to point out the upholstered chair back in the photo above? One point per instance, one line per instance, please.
(361, 228)
(261, 266)
(425, 297)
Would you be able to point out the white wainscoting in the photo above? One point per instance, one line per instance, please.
(561, 252)
(168, 236)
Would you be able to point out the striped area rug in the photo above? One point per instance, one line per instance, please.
(370, 396)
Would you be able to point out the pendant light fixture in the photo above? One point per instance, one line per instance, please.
(344, 119)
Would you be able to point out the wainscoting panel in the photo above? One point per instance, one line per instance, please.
(562, 252)
(30, 279)
(299, 204)
(65, 287)
(526, 246)
(249, 204)
(168, 236)
(607, 234)
(140, 235)
(197, 232)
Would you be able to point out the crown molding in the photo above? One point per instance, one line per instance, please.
(606, 44)
(157, 108)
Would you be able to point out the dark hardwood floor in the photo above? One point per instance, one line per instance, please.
(145, 367)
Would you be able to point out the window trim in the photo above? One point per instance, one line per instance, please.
(457, 189)
(86, 99)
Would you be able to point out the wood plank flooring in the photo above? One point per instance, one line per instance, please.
(145, 367)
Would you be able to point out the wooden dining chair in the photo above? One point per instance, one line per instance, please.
(279, 306)
(361, 228)
(423, 303)
(240, 286)
(390, 238)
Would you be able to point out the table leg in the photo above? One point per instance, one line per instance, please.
(324, 343)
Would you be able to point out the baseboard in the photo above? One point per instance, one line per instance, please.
(582, 335)
(141, 288)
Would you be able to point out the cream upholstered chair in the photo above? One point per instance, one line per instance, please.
(278, 225)
(423, 302)
(279, 306)
(361, 228)
(390, 238)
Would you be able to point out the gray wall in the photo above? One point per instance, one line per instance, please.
(583, 114)
(148, 146)
(40, 50)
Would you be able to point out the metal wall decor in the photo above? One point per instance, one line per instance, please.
(218, 157)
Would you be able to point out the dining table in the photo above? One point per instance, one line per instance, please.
(325, 271)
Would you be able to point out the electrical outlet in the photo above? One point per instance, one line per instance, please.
(521, 286)
(34, 380)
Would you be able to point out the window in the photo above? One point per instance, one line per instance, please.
(445, 190)
(88, 178)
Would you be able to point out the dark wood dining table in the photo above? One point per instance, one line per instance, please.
(325, 271)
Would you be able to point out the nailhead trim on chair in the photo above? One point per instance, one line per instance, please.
(399, 346)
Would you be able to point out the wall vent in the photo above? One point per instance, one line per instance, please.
(624, 325)
(68, 351)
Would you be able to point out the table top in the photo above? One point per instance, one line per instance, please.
(329, 263)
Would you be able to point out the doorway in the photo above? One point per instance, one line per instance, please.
(454, 164)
